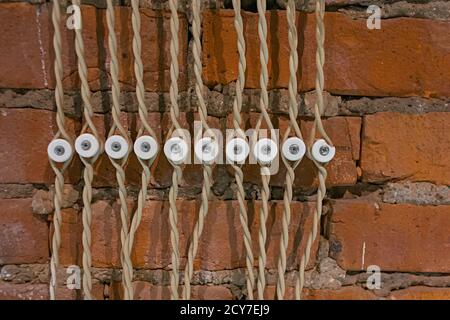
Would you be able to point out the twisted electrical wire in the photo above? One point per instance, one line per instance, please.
(265, 174)
(145, 128)
(60, 122)
(177, 172)
(207, 168)
(238, 174)
(119, 164)
(290, 167)
(318, 125)
(88, 171)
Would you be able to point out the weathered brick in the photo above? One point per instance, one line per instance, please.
(32, 25)
(147, 291)
(343, 131)
(399, 237)
(22, 54)
(421, 293)
(406, 147)
(43, 200)
(71, 249)
(26, 291)
(344, 293)
(39, 291)
(351, 49)
(221, 245)
(25, 134)
(23, 236)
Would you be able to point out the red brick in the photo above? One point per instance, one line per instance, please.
(147, 291)
(25, 135)
(64, 293)
(221, 245)
(421, 293)
(98, 290)
(343, 131)
(406, 147)
(355, 64)
(344, 293)
(70, 252)
(29, 60)
(23, 236)
(20, 55)
(399, 237)
(9, 291)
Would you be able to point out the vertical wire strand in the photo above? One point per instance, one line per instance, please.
(207, 168)
(290, 167)
(144, 127)
(88, 171)
(265, 174)
(238, 174)
(318, 125)
(60, 122)
(177, 172)
(119, 164)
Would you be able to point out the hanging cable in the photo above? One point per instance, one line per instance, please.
(177, 172)
(326, 145)
(238, 133)
(207, 166)
(59, 149)
(88, 147)
(118, 147)
(265, 172)
(145, 145)
(293, 148)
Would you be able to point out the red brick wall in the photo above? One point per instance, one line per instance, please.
(388, 198)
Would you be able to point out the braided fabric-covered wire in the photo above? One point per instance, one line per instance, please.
(238, 174)
(119, 164)
(265, 174)
(177, 172)
(318, 125)
(62, 133)
(290, 167)
(144, 129)
(88, 172)
(207, 168)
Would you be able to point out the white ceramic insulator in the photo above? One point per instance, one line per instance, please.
(322, 151)
(206, 150)
(145, 147)
(59, 150)
(176, 150)
(87, 146)
(237, 150)
(293, 149)
(116, 147)
(265, 151)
